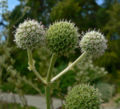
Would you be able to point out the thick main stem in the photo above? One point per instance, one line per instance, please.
(48, 97)
(68, 68)
(47, 88)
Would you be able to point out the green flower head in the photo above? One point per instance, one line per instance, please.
(62, 37)
(83, 97)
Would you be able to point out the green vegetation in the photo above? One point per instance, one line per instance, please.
(87, 15)
(83, 97)
(4, 105)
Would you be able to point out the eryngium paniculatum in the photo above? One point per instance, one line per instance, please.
(94, 43)
(62, 37)
(83, 97)
(29, 34)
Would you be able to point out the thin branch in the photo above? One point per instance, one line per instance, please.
(52, 62)
(31, 84)
(32, 66)
(68, 68)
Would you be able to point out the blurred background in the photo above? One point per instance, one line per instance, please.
(103, 73)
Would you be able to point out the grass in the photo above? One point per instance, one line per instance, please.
(5, 105)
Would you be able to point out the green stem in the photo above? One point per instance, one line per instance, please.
(47, 88)
(31, 84)
(52, 62)
(1, 75)
(48, 97)
(32, 66)
(68, 68)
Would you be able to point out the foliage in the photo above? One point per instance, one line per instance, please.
(87, 72)
(69, 6)
(113, 31)
(14, 82)
(117, 100)
(107, 90)
(84, 12)
(4, 105)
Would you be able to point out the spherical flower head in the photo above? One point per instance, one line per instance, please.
(83, 97)
(62, 37)
(94, 43)
(29, 34)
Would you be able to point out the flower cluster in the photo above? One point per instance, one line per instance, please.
(62, 37)
(93, 43)
(83, 97)
(29, 34)
(86, 71)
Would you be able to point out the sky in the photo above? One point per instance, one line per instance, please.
(99, 1)
(12, 4)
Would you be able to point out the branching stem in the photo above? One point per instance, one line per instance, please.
(47, 88)
(32, 66)
(68, 68)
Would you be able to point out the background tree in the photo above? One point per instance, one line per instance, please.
(86, 14)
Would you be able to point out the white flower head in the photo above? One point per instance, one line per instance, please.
(94, 43)
(29, 34)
